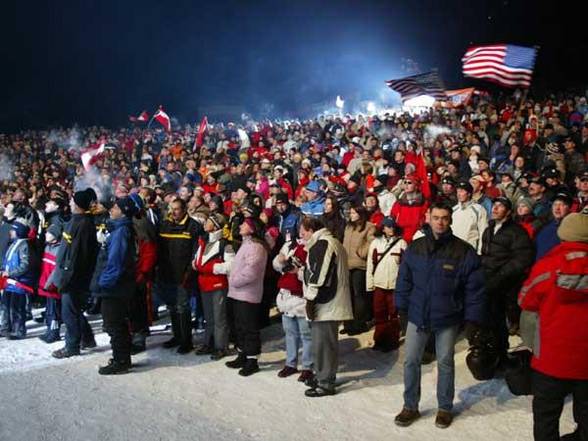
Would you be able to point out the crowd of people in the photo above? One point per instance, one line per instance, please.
(424, 226)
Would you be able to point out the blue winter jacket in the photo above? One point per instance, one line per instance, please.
(440, 283)
(18, 266)
(289, 222)
(314, 208)
(117, 261)
(547, 239)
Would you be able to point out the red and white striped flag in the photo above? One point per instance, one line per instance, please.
(92, 154)
(143, 117)
(201, 131)
(505, 64)
(162, 118)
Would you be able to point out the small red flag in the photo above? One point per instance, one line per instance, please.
(421, 172)
(162, 118)
(143, 117)
(201, 131)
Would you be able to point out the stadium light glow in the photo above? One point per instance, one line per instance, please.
(420, 101)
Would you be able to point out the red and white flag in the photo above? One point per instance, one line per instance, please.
(143, 117)
(421, 172)
(92, 154)
(506, 64)
(162, 118)
(201, 131)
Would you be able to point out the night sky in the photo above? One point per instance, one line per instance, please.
(96, 62)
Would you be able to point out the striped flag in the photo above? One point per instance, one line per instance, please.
(162, 118)
(143, 117)
(505, 64)
(416, 85)
(92, 154)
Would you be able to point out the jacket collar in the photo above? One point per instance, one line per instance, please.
(215, 236)
(113, 224)
(316, 236)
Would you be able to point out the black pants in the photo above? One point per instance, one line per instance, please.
(246, 317)
(77, 327)
(360, 301)
(549, 394)
(497, 323)
(138, 310)
(115, 315)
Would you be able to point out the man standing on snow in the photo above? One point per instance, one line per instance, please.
(440, 285)
(74, 267)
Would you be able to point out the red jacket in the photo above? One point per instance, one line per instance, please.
(377, 217)
(146, 260)
(409, 216)
(290, 280)
(557, 289)
(208, 254)
(47, 267)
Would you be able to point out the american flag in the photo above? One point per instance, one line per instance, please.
(416, 85)
(505, 64)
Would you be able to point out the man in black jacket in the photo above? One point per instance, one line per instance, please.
(75, 263)
(178, 239)
(507, 256)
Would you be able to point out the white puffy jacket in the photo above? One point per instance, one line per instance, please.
(469, 220)
(386, 271)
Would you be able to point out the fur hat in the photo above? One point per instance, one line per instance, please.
(574, 227)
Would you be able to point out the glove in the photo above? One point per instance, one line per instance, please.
(310, 309)
(101, 237)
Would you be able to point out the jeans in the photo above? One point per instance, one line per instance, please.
(13, 314)
(297, 330)
(549, 394)
(53, 315)
(416, 341)
(216, 330)
(76, 324)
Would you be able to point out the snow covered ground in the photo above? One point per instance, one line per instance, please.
(173, 397)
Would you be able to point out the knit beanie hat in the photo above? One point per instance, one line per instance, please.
(218, 220)
(574, 227)
(528, 202)
(84, 198)
(283, 198)
(255, 225)
(127, 206)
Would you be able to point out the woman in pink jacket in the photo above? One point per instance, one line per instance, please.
(245, 293)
